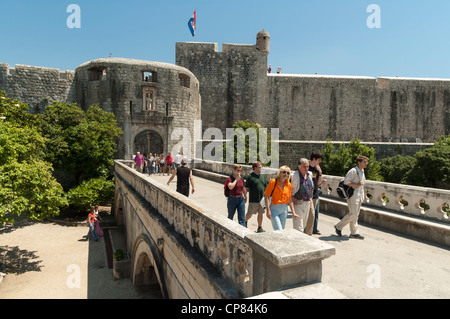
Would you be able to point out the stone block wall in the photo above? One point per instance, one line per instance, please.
(373, 110)
(37, 86)
(232, 81)
(235, 86)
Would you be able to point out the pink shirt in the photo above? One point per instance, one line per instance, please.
(138, 160)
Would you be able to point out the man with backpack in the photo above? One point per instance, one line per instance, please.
(355, 178)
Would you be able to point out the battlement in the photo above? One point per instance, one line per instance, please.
(205, 47)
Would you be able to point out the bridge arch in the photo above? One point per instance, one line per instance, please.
(146, 262)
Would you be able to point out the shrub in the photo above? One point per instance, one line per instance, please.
(89, 193)
(339, 162)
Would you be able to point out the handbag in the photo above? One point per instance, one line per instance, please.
(263, 202)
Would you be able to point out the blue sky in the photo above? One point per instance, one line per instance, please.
(323, 36)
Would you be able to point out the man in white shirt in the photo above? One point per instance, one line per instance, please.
(177, 159)
(355, 178)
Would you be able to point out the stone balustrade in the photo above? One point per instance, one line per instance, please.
(428, 203)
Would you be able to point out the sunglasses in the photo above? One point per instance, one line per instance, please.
(285, 172)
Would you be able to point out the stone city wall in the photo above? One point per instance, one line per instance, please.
(373, 110)
(234, 85)
(37, 86)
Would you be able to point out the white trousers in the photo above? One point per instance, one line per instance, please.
(351, 217)
(303, 211)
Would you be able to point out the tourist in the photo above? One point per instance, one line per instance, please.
(302, 193)
(161, 164)
(355, 178)
(184, 176)
(156, 164)
(91, 222)
(256, 184)
(177, 159)
(139, 162)
(279, 191)
(314, 167)
(150, 163)
(237, 196)
(169, 163)
(96, 222)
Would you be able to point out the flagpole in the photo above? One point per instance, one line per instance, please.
(195, 37)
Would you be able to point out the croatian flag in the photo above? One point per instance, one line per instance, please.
(191, 24)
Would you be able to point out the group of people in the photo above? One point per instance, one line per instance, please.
(93, 222)
(274, 197)
(157, 163)
(298, 191)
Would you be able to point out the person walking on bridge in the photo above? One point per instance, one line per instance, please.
(278, 196)
(184, 176)
(355, 178)
(256, 184)
(237, 196)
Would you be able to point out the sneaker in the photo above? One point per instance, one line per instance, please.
(338, 232)
(357, 236)
(260, 230)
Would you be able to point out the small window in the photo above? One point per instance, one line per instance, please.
(185, 80)
(149, 76)
(97, 74)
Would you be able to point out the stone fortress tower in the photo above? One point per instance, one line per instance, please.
(149, 100)
(232, 82)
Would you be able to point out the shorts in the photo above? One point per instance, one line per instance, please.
(255, 208)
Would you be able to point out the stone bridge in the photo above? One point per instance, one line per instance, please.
(191, 250)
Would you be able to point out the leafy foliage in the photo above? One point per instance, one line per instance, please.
(27, 186)
(396, 169)
(428, 168)
(79, 143)
(91, 192)
(339, 161)
(251, 141)
(65, 138)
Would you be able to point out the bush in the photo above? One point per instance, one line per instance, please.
(428, 168)
(434, 163)
(397, 169)
(96, 191)
(339, 162)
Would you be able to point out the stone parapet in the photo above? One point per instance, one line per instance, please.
(244, 258)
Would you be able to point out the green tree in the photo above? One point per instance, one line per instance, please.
(80, 143)
(253, 135)
(433, 165)
(397, 169)
(96, 191)
(339, 161)
(27, 187)
(428, 168)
